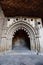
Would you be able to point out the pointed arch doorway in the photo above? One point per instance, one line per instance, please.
(21, 30)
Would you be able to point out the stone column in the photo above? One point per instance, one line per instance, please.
(32, 42)
(38, 43)
(9, 44)
(3, 36)
(1, 28)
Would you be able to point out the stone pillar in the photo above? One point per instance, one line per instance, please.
(9, 44)
(3, 44)
(1, 28)
(33, 43)
(4, 34)
(37, 44)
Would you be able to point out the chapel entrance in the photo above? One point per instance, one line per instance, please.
(21, 40)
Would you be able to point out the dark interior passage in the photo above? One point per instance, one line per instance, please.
(21, 39)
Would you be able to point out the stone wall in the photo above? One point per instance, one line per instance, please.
(33, 27)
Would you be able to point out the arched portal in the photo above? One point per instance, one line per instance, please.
(21, 40)
(25, 28)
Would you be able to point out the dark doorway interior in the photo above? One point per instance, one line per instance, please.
(21, 39)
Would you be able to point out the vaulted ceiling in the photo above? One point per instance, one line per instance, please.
(31, 8)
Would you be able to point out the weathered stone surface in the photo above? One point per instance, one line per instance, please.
(12, 58)
(30, 25)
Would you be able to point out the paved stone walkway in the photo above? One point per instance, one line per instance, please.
(18, 58)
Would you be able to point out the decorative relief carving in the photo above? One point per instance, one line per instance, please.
(22, 19)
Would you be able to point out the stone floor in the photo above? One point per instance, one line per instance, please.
(20, 58)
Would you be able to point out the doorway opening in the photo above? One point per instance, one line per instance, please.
(21, 40)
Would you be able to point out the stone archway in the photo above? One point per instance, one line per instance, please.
(21, 25)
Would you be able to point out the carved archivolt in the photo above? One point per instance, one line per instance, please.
(26, 27)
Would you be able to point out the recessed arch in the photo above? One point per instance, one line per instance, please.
(21, 39)
(26, 27)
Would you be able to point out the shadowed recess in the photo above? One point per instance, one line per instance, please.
(21, 40)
